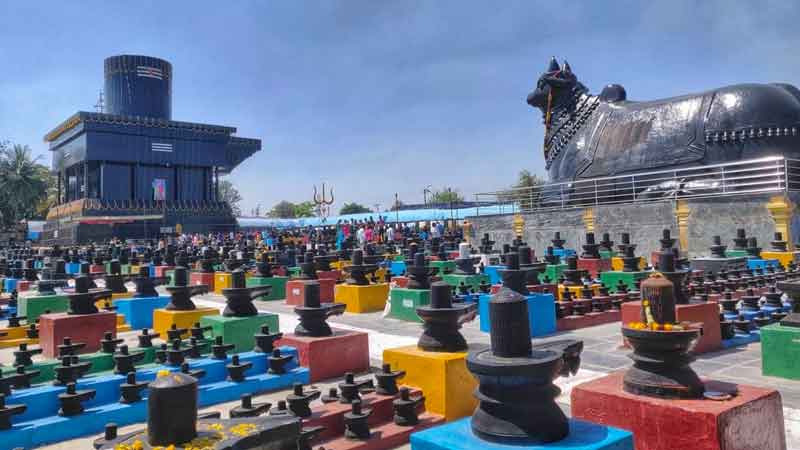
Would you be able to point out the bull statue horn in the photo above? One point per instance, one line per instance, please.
(553, 67)
(567, 68)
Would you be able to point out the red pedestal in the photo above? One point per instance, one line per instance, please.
(752, 420)
(23, 285)
(198, 278)
(705, 313)
(295, 290)
(88, 328)
(331, 356)
(594, 266)
(400, 281)
(329, 274)
(279, 271)
(657, 254)
(587, 320)
(97, 268)
(161, 271)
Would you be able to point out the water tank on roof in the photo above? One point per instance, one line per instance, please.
(138, 85)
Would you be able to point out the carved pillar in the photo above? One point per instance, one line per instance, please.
(781, 208)
(588, 220)
(682, 212)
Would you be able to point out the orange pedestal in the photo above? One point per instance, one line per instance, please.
(198, 278)
(295, 290)
(161, 271)
(331, 356)
(329, 274)
(705, 313)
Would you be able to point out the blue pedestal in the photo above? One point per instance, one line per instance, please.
(494, 273)
(40, 424)
(564, 252)
(138, 312)
(398, 268)
(750, 315)
(72, 268)
(742, 339)
(458, 435)
(9, 284)
(757, 263)
(541, 312)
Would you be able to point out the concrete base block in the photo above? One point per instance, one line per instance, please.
(138, 312)
(278, 284)
(404, 303)
(362, 299)
(541, 312)
(331, 356)
(88, 328)
(164, 319)
(239, 331)
(295, 290)
(780, 351)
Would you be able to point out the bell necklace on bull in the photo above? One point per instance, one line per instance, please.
(358, 270)
(181, 293)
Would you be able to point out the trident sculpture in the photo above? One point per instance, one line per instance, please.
(323, 205)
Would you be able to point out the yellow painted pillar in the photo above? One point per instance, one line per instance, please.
(519, 225)
(781, 208)
(682, 212)
(588, 219)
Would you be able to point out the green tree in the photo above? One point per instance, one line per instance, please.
(304, 209)
(23, 184)
(354, 208)
(228, 193)
(282, 210)
(524, 191)
(446, 195)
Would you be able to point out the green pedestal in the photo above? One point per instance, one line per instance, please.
(473, 281)
(171, 275)
(278, 284)
(607, 254)
(399, 258)
(35, 306)
(294, 271)
(611, 278)
(780, 351)
(736, 253)
(405, 303)
(125, 269)
(444, 266)
(553, 271)
(239, 331)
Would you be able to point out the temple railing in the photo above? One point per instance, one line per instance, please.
(749, 177)
(88, 207)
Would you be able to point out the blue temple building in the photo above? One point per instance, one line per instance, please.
(133, 172)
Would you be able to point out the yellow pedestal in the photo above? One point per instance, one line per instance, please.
(122, 295)
(443, 378)
(576, 290)
(14, 333)
(380, 274)
(362, 299)
(134, 269)
(783, 257)
(222, 280)
(339, 265)
(617, 264)
(163, 319)
(121, 325)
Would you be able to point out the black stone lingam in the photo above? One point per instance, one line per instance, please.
(145, 284)
(778, 244)
(717, 249)
(298, 401)
(625, 239)
(571, 274)
(239, 298)
(792, 291)
(219, 349)
(172, 410)
(486, 246)
(356, 422)
(558, 243)
(606, 243)
(124, 361)
(513, 277)
(753, 250)
(351, 388)
(236, 369)
(81, 301)
(308, 269)
(264, 268)
(23, 355)
(728, 303)
(386, 380)
(666, 265)
(661, 356)
(442, 320)
(773, 297)
(405, 408)
(7, 411)
(630, 262)
(114, 279)
(591, 249)
(358, 271)
(740, 241)
(131, 390)
(419, 273)
(516, 393)
(277, 362)
(465, 263)
(72, 400)
(109, 343)
(751, 301)
(265, 341)
(531, 269)
(313, 314)
(550, 257)
(247, 408)
(181, 293)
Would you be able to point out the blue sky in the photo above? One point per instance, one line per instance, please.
(380, 97)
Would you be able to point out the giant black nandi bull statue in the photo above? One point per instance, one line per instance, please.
(589, 136)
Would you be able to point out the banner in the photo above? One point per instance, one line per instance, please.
(159, 189)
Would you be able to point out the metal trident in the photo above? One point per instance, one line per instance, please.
(322, 204)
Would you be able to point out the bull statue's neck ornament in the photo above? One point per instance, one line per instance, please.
(589, 136)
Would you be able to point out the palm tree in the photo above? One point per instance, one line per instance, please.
(22, 186)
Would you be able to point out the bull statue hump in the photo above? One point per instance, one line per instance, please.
(588, 136)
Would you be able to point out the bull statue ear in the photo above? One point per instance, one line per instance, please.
(553, 66)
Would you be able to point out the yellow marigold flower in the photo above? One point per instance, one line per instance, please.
(667, 327)
(645, 302)
(163, 373)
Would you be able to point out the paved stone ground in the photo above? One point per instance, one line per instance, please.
(602, 354)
